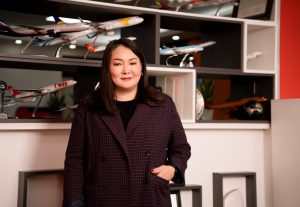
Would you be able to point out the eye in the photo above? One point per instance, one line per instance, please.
(117, 64)
(133, 63)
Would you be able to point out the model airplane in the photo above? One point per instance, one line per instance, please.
(50, 30)
(94, 30)
(238, 103)
(31, 95)
(254, 55)
(93, 48)
(189, 4)
(66, 33)
(184, 50)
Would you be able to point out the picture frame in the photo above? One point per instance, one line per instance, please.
(218, 187)
(254, 9)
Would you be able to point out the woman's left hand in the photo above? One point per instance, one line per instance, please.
(166, 172)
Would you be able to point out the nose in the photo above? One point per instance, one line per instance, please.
(125, 69)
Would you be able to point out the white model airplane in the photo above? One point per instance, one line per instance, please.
(31, 95)
(98, 48)
(61, 27)
(50, 30)
(254, 54)
(92, 31)
(66, 33)
(184, 50)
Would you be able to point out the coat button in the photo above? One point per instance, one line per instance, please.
(147, 154)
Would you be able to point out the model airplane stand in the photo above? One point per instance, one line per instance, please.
(3, 87)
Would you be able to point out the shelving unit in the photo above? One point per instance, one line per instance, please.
(226, 60)
(256, 35)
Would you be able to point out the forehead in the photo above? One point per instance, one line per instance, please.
(122, 52)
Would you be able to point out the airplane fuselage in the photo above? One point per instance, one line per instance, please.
(98, 28)
(30, 95)
(186, 49)
(56, 28)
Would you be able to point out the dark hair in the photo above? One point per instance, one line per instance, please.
(102, 99)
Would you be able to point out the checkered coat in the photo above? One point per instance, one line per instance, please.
(106, 166)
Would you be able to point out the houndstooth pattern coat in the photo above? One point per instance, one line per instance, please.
(106, 166)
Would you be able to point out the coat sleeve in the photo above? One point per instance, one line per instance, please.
(73, 170)
(179, 150)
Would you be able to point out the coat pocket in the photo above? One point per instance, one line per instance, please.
(162, 190)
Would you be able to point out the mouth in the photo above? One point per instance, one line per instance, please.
(126, 78)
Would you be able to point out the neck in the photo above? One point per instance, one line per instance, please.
(125, 95)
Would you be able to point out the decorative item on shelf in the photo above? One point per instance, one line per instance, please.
(233, 197)
(186, 51)
(199, 105)
(55, 102)
(253, 110)
(206, 88)
(259, 9)
(228, 189)
(67, 33)
(249, 108)
(31, 95)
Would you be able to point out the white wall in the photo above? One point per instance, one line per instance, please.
(286, 152)
(34, 146)
(27, 150)
(221, 150)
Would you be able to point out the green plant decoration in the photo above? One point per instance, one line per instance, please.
(55, 102)
(207, 87)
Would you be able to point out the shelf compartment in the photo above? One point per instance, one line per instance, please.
(232, 89)
(179, 84)
(226, 53)
(259, 49)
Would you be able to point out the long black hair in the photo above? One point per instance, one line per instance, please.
(102, 99)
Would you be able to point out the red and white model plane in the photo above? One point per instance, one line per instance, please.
(31, 95)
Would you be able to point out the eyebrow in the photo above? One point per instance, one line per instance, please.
(128, 59)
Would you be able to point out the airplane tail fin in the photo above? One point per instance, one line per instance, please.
(89, 47)
(58, 20)
(13, 91)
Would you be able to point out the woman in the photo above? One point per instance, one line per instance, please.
(127, 141)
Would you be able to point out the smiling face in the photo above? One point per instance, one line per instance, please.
(125, 70)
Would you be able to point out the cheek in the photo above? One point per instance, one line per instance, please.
(137, 71)
(114, 72)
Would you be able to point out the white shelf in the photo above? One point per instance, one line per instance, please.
(180, 85)
(259, 38)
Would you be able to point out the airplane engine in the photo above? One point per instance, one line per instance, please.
(51, 32)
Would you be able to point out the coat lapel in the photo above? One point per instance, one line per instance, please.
(140, 113)
(114, 123)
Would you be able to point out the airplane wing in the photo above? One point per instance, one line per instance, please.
(31, 27)
(30, 90)
(238, 103)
